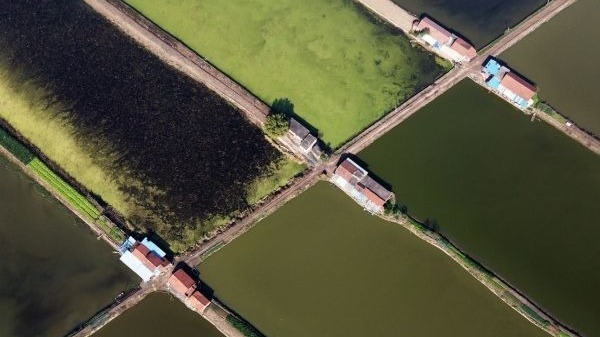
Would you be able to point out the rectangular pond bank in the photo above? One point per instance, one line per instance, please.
(518, 196)
(321, 266)
(340, 69)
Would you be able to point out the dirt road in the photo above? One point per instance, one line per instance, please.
(390, 12)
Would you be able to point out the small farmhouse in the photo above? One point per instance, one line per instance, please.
(145, 258)
(182, 283)
(442, 41)
(184, 286)
(355, 181)
(508, 85)
(303, 139)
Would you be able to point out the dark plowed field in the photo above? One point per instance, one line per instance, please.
(162, 127)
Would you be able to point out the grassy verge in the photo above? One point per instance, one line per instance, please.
(244, 327)
(341, 71)
(276, 176)
(59, 185)
(549, 110)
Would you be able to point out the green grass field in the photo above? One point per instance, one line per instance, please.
(341, 70)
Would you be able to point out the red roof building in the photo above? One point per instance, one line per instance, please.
(436, 31)
(182, 283)
(464, 48)
(350, 171)
(148, 258)
(198, 301)
(519, 86)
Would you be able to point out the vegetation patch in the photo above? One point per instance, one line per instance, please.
(244, 327)
(340, 69)
(164, 151)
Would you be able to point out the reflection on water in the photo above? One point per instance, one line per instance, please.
(480, 21)
(519, 196)
(322, 267)
(53, 272)
(561, 57)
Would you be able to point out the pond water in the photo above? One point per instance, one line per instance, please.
(480, 21)
(54, 273)
(560, 59)
(321, 266)
(159, 315)
(520, 197)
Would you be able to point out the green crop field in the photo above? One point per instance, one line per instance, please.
(341, 70)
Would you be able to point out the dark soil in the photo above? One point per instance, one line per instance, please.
(165, 128)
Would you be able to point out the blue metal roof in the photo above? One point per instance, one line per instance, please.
(492, 67)
(153, 247)
(493, 82)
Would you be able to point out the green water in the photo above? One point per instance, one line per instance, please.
(480, 21)
(321, 266)
(561, 57)
(54, 274)
(520, 197)
(159, 315)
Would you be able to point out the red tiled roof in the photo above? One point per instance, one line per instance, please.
(198, 301)
(346, 170)
(140, 251)
(518, 85)
(156, 260)
(182, 282)
(374, 198)
(464, 48)
(438, 32)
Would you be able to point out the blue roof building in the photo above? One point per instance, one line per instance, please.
(492, 67)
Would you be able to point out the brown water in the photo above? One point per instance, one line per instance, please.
(520, 197)
(480, 21)
(321, 266)
(159, 315)
(54, 274)
(561, 58)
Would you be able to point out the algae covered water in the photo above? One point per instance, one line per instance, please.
(54, 273)
(321, 266)
(517, 195)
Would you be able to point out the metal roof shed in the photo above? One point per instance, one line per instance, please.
(136, 265)
(153, 247)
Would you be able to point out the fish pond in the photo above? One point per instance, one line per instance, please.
(54, 273)
(321, 266)
(480, 21)
(159, 315)
(561, 58)
(341, 70)
(518, 196)
(167, 153)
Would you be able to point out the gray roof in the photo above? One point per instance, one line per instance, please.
(298, 129)
(374, 186)
(308, 142)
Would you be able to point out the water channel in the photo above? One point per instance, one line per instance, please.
(159, 315)
(480, 21)
(54, 273)
(519, 196)
(561, 58)
(321, 266)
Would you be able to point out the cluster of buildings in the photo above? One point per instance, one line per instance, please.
(355, 181)
(508, 84)
(184, 286)
(443, 42)
(145, 258)
(304, 140)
